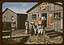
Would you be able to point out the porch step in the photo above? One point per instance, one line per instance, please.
(52, 33)
(5, 37)
(6, 33)
(49, 31)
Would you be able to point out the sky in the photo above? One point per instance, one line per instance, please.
(18, 7)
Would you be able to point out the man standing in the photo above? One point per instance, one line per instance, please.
(35, 26)
(40, 29)
(26, 27)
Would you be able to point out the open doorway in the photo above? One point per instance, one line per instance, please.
(21, 18)
(45, 15)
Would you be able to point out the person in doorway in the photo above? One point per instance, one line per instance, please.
(43, 22)
(39, 27)
(32, 27)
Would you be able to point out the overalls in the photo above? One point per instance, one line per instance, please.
(40, 28)
(35, 28)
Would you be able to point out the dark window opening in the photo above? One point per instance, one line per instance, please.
(34, 16)
(57, 15)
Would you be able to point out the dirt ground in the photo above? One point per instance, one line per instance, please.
(37, 39)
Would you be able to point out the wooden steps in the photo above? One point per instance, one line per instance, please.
(6, 33)
(52, 33)
(55, 35)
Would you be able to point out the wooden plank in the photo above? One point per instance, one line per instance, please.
(16, 36)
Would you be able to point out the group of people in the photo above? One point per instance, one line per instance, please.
(38, 26)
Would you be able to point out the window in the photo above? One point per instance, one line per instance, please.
(34, 16)
(57, 15)
(12, 18)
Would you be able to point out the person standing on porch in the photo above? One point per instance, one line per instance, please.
(35, 26)
(43, 22)
(26, 27)
(39, 26)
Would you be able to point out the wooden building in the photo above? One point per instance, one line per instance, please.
(50, 11)
(7, 18)
(19, 19)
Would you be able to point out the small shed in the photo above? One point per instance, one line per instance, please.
(7, 18)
